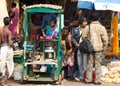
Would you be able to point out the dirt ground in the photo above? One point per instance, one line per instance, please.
(64, 83)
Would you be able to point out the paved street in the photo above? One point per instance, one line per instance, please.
(64, 83)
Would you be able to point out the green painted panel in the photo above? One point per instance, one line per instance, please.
(44, 10)
(59, 36)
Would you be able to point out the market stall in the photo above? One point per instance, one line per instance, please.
(42, 56)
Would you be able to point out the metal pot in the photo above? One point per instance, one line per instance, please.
(49, 48)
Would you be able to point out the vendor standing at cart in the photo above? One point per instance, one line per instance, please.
(6, 53)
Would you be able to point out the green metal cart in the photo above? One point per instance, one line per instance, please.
(31, 69)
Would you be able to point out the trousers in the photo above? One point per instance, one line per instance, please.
(82, 64)
(94, 60)
(6, 59)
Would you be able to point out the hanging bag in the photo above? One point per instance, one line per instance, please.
(86, 46)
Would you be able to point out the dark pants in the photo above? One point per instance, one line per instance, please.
(75, 61)
(65, 72)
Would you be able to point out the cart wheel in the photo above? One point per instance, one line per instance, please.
(60, 79)
(62, 74)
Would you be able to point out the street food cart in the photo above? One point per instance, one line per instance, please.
(42, 59)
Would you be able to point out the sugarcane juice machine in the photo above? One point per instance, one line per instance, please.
(49, 50)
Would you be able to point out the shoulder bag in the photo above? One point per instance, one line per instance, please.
(86, 46)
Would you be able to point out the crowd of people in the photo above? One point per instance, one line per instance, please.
(77, 64)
